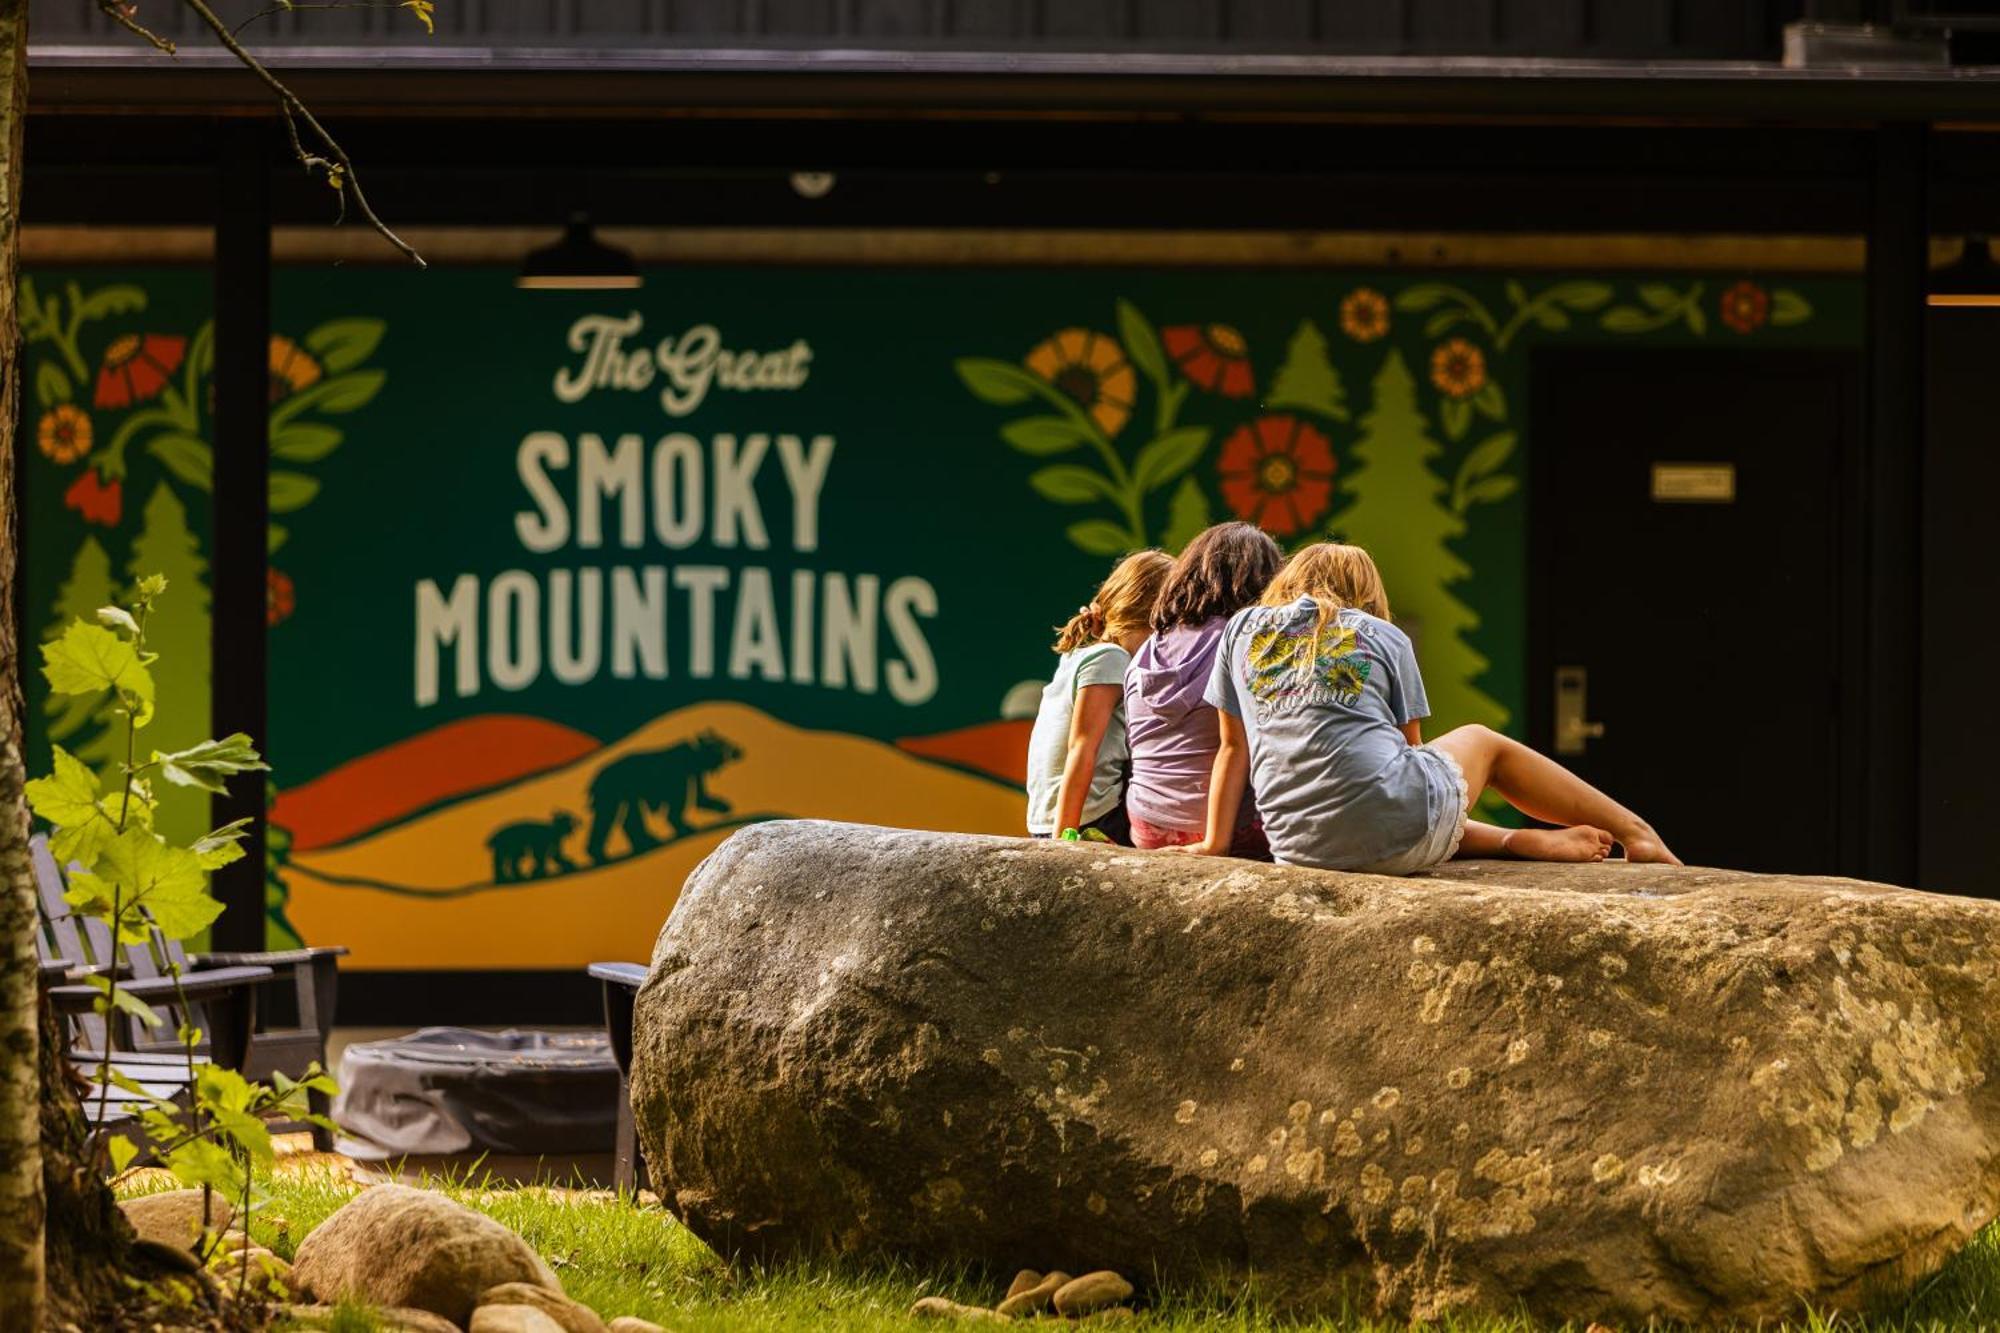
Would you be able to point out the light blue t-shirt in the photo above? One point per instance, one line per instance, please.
(1338, 785)
(1048, 744)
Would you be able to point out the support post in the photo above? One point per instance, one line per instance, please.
(1885, 509)
(239, 570)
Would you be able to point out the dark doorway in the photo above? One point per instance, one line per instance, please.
(1685, 592)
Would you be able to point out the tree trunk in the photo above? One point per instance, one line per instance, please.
(21, 1190)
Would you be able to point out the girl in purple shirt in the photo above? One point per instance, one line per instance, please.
(1172, 732)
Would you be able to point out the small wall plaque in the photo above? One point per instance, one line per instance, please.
(1694, 483)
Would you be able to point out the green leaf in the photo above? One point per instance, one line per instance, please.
(1187, 515)
(1001, 383)
(221, 1089)
(117, 617)
(1096, 536)
(66, 798)
(1488, 455)
(342, 344)
(1168, 456)
(305, 441)
(1659, 295)
(1069, 485)
(158, 878)
(1552, 319)
(1492, 489)
(1444, 321)
(185, 457)
(51, 384)
(1142, 345)
(201, 1162)
(275, 536)
(119, 299)
(1456, 415)
(209, 764)
(1580, 296)
(291, 491)
(1788, 307)
(1421, 296)
(89, 659)
(122, 1151)
(128, 1003)
(1516, 292)
(1042, 436)
(1626, 319)
(342, 393)
(220, 847)
(1491, 400)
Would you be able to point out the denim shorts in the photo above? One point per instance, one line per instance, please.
(1447, 829)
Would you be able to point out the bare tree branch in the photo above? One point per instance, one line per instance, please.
(121, 12)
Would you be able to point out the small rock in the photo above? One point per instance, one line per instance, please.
(574, 1317)
(631, 1323)
(408, 1319)
(937, 1307)
(511, 1319)
(174, 1217)
(1092, 1292)
(268, 1274)
(1036, 1298)
(1025, 1280)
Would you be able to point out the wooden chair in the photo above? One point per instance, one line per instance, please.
(621, 988)
(237, 1040)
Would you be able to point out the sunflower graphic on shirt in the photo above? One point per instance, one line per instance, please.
(1293, 668)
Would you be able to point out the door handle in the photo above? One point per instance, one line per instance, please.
(1574, 730)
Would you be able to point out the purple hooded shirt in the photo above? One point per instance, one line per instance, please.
(1171, 731)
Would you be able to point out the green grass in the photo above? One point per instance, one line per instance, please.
(621, 1259)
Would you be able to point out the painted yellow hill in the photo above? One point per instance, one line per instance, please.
(421, 895)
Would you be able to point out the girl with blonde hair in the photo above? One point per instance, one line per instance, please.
(1077, 752)
(1321, 705)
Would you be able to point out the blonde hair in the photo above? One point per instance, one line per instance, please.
(1124, 602)
(1333, 575)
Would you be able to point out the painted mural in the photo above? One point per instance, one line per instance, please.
(568, 586)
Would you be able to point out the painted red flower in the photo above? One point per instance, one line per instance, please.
(1213, 356)
(1277, 472)
(137, 366)
(280, 598)
(1745, 306)
(99, 501)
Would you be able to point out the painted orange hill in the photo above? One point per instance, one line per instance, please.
(996, 748)
(420, 894)
(471, 755)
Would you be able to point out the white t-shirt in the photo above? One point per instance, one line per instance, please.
(1048, 746)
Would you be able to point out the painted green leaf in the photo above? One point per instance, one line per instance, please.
(88, 659)
(292, 490)
(119, 299)
(1580, 296)
(1444, 321)
(51, 385)
(275, 537)
(1491, 400)
(345, 393)
(1069, 485)
(1696, 320)
(1421, 296)
(185, 457)
(1489, 454)
(1788, 307)
(1456, 416)
(1168, 456)
(1516, 292)
(1097, 536)
(304, 441)
(67, 797)
(1492, 489)
(1041, 436)
(1001, 383)
(1552, 319)
(210, 764)
(1187, 515)
(1142, 345)
(1659, 295)
(342, 344)
(1625, 319)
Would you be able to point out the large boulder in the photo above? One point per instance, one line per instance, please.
(1605, 1092)
(400, 1246)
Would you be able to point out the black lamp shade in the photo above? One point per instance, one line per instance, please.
(578, 262)
(1973, 279)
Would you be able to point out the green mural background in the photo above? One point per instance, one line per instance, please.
(999, 436)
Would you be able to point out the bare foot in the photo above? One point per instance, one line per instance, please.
(1642, 844)
(1579, 843)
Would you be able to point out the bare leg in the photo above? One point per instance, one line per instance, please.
(1542, 789)
(1582, 842)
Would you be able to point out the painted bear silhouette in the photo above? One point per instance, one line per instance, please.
(531, 848)
(664, 782)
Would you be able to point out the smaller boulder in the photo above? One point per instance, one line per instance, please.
(937, 1307)
(405, 1319)
(631, 1323)
(1092, 1292)
(1025, 1280)
(253, 1268)
(573, 1316)
(1034, 1299)
(511, 1319)
(174, 1217)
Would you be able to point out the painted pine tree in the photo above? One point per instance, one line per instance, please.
(179, 632)
(1396, 510)
(87, 588)
(1308, 379)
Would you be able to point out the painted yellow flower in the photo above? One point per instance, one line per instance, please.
(1364, 314)
(63, 434)
(1091, 369)
(1458, 368)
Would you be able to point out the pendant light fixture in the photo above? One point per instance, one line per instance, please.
(578, 262)
(1973, 279)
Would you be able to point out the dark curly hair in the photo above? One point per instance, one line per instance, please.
(1222, 571)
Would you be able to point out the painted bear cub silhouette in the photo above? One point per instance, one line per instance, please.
(531, 848)
(664, 782)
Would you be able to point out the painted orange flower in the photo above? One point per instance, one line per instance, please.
(292, 367)
(63, 433)
(1212, 356)
(99, 501)
(1091, 369)
(1458, 368)
(280, 598)
(1277, 472)
(136, 367)
(1745, 306)
(1364, 314)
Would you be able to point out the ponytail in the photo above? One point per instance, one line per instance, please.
(1085, 627)
(1124, 602)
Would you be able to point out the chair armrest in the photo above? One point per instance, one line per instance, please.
(620, 974)
(193, 985)
(53, 970)
(269, 958)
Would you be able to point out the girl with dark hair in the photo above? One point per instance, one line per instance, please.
(1172, 731)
